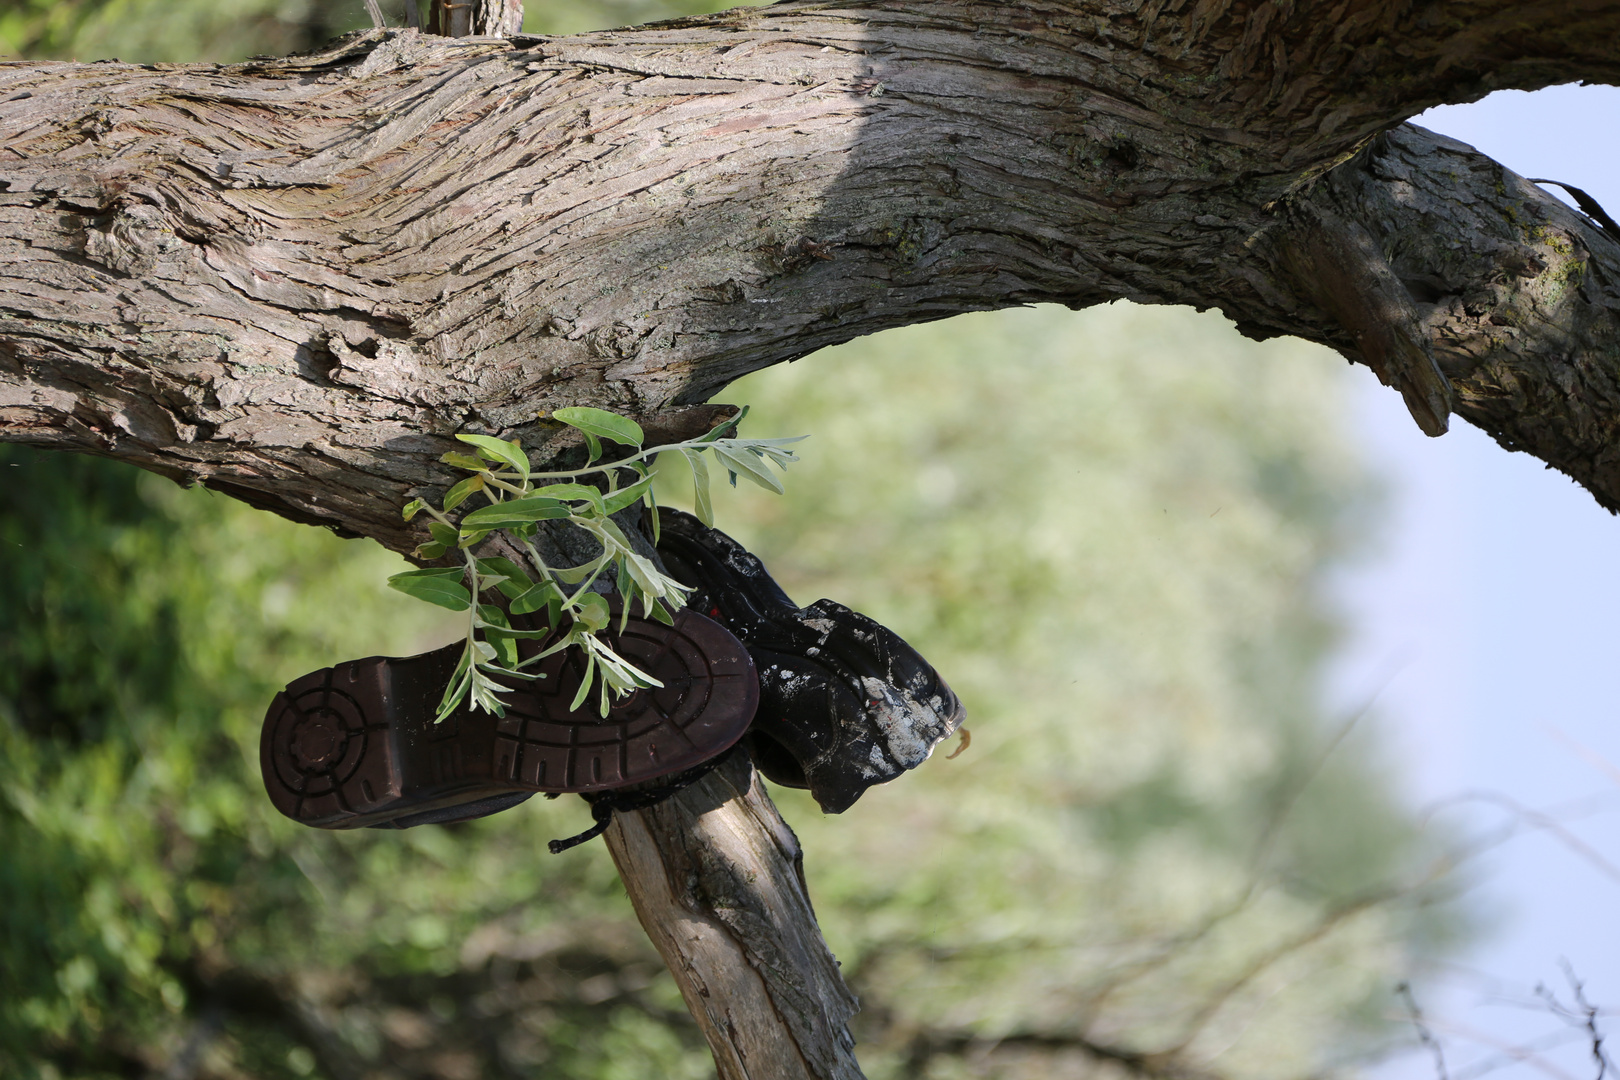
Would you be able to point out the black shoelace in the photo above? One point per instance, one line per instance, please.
(604, 803)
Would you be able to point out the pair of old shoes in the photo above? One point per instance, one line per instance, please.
(824, 697)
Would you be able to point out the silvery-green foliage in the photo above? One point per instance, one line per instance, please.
(517, 500)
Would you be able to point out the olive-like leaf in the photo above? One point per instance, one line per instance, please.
(412, 508)
(585, 681)
(601, 423)
(464, 461)
(719, 430)
(702, 503)
(458, 494)
(441, 587)
(593, 611)
(513, 583)
(493, 449)
(622, 498)
(442, 533)
(533, 598)
(513, 512)
(490, 615)
(747, 464)
(568, 493)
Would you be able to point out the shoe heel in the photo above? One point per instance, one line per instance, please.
(325, 751)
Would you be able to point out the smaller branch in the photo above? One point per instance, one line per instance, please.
(1536, 819)
(717, 881)
(1522, 1054)
(1425, 1035)
(1583, 1015)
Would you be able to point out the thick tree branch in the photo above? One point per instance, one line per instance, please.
(294, 280)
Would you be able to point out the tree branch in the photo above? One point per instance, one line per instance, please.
(294, 280)
(717, 880)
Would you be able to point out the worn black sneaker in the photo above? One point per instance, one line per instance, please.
(355, 745)
(844, 703)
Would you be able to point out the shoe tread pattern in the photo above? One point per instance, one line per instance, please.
(355, 745)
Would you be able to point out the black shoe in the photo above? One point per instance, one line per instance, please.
(844, 704)
(355, 745)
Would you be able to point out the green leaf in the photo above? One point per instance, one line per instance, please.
(570, 493)
(610, 529)
(661, 613)
(720, 429)
(490, 615)
(458, 494)
(573, 575)
(771, 448)
(412, 508)
(441, 587)
(456, 688)
(585, 682)
(468, 539)
(510, 453)
(593, 447)
(593, 611)
(464, 461)
(643, 573)
(600, 422)
(533, 598)
(622, 498)
(702, 504)
(513, 512)
(442, 533)
(429, 551)
(514, 582)
(749, 465)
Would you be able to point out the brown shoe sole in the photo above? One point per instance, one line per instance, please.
(355, 745)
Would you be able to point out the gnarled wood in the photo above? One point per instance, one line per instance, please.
(297, 278)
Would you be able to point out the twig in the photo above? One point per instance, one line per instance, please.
(1425, 1036)
(1538, 819)
(1590, 756)
(1582, 1016)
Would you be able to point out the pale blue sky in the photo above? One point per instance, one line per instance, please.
(1492, 624)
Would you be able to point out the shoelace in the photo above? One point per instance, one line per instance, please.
(604, 803)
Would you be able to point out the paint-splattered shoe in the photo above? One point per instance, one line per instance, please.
(845, 703)
(355, 745)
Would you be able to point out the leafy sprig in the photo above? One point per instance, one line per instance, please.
(516, 500)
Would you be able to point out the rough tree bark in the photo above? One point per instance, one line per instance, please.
(294, 280)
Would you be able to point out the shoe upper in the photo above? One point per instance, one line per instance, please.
(845, 703)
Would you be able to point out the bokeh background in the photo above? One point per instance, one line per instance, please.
(1187, 840)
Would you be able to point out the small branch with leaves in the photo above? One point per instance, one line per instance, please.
(576, 612)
